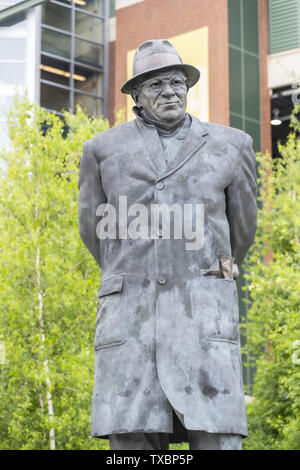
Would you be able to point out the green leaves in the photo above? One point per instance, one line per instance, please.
(274, 322)
(47, 278)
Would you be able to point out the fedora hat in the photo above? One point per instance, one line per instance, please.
(158, 55)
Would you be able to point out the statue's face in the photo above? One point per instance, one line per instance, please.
(163, 96)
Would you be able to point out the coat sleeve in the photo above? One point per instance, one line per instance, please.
(91, 195)
(241, 204)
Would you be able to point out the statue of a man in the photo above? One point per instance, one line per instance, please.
(167, 207)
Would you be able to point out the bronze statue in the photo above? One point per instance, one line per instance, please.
(167, 345)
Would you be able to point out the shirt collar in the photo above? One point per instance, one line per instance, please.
(181, 129)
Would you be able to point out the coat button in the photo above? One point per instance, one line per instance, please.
(161, 281)
(160, 185)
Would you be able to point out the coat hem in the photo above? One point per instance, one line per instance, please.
(121, 431)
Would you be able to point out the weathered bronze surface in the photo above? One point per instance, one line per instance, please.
(167, 338)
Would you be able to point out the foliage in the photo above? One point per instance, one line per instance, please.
(47, 280)
(273, 329)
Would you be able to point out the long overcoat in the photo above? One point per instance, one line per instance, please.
(167, 324)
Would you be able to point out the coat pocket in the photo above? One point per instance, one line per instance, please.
(214, 304)
(111, 312)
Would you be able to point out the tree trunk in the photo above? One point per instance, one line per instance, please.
(46, 366)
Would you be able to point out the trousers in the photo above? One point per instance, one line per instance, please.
(198, 440)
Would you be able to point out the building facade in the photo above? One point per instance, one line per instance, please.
(57, 52)
(226, 35)
(18, 62)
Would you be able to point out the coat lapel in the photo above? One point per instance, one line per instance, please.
(152, 146)
(193, 142)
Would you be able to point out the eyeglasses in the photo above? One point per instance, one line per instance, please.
(158, 84)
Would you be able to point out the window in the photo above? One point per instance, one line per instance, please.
(55, 98)
(55, 70)
(13, 65)
(92, 6)
(89, 27)
(88, 81)
(57, 16)
(284, 25)
(56, 43)
(89, 104)
(244, 107)
(88, 53)
(72, 55)
(244, 67)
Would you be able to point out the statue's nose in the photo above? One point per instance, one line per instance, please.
(168, 90)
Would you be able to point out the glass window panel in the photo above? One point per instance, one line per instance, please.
(236, 121)
(253, 129)
(235, 68)
(92, 106)
(234, 21)
(55, 70)
(250, 26)
(88, 53)
(56, 43)
(12, 48)
(88, 80)
(112, 8)
(94, 6)
(252, 87)
(54, 98)
(57, 16)
(88, 27)
(12, 74)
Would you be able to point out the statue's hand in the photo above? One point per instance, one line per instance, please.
(235, 271)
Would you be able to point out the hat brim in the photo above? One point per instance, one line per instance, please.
(192, 74)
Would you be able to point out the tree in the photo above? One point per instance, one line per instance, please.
(273, 331)
(47, 281)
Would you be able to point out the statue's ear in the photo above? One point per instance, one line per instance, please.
(134, 95)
